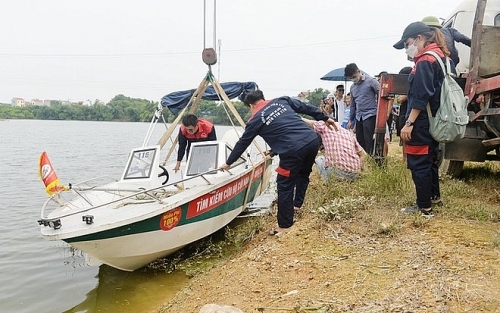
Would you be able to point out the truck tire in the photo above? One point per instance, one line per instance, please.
(451, 168)
(448, 167)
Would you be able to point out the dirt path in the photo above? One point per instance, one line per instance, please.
(358, 265)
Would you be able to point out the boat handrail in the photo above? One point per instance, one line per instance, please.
(145, 191)
(94, 178)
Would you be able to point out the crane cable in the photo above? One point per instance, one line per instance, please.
(209, 56)
(205, 23)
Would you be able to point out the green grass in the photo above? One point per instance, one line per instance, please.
(388, 187)
(476, 195)
(381, 190)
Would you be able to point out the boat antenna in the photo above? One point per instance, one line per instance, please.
(220, 54)
(209, 56)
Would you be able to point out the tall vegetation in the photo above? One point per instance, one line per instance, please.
(126, 109)
(120, 108)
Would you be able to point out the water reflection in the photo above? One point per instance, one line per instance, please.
(143, 290)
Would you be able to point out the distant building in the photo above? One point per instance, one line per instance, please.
(18, 102)
(36, 102)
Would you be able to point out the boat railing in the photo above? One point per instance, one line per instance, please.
(135, 193)
(100, 178)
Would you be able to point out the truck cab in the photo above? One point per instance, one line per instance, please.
(481, 70)
(462, 19)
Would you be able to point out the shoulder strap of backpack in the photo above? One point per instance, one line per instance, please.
(443, 68)
(436, 56)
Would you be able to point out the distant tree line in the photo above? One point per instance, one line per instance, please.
(126, 109)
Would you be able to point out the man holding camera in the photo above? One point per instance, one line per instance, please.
(326, 106)
(333, 104)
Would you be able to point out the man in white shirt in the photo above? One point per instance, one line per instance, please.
(339, 104)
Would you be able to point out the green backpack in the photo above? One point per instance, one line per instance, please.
(451, 118)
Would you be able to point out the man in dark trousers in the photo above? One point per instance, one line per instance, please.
(364, 99)
(192, 130)
(278, 123)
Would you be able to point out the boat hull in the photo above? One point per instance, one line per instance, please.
(157, 230)
(129, 253)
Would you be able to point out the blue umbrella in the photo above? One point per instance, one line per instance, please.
(338, 75)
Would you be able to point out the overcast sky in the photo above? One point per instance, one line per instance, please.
(96, 49)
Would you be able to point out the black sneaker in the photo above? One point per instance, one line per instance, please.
(415, 209)
(427, 213)
(436, 202)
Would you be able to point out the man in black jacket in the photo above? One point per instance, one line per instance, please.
(450, 36)
(277, 122)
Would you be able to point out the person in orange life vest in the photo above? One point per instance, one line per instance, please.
(192, 130)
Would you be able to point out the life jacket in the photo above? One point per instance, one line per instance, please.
(204, 130)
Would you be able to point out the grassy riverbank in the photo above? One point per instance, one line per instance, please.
(351, 250)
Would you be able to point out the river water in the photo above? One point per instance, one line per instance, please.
(47, 276)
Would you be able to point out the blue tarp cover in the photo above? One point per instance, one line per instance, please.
(178, 100)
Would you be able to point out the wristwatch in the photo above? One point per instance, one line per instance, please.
(409, 123)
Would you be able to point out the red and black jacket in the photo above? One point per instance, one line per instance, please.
(206, 132)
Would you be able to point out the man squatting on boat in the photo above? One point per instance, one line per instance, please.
(192, 130)
(288, 136)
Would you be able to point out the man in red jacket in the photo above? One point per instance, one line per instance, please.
(192, 130)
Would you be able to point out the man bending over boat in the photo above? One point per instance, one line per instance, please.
(277, 122)
(192, 130)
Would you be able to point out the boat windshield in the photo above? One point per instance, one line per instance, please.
(202, 158)
(139, 165)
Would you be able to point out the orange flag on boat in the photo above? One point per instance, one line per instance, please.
(49, 176)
